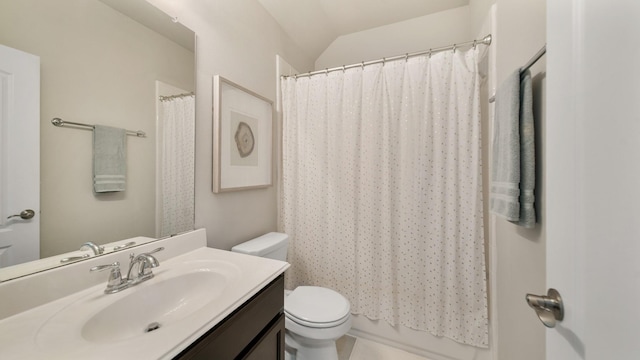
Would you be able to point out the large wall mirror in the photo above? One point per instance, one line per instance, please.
(115, 63)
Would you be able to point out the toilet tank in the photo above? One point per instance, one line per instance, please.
(272, 245)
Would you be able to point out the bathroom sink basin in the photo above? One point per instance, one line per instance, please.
(154, 307)
(177, 294)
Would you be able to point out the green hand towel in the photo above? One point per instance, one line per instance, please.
(109, 159)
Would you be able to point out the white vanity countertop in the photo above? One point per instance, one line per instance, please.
(54, 330)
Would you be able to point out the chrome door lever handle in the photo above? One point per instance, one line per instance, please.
(549, 308)
(24, 215)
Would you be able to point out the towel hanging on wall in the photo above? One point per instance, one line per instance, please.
(109, 159)
(513, 167)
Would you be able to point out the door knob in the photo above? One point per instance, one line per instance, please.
(24, 215)
(549, 308)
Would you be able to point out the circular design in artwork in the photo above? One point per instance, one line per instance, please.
(244, 139)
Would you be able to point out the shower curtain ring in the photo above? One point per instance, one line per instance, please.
(454, 48)
(326, 71)
(362, 65)
(474, 44)
(406, 57)
(429, 53)
(343, 68)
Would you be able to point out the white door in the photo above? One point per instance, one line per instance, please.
(19, 156)
(593, 183)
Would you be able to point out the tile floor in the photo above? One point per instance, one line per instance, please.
(351, 348)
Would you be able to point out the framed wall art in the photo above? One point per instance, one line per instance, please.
(242, 138)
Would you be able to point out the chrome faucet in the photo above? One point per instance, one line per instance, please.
(145, 263)
(97, 250)
(116, 282)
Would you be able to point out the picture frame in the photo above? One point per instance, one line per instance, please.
(243, 138)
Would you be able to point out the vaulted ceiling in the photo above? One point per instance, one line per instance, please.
(315, 24)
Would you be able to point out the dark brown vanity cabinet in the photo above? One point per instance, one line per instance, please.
(254, 331)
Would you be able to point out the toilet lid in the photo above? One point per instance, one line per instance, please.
(316, 306)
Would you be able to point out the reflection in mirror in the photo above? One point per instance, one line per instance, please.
(99, 66)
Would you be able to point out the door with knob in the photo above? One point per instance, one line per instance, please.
(592, 178)
(19, 157)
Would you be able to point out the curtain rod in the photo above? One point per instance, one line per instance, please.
(534, 59)
(59, 122)
(484, 41)
(169, 97)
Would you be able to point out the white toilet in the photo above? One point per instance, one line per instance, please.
(314, 316)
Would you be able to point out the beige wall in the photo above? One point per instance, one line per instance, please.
(517, 255)
(430, 31)
(521, 31)
(97, 67)
(238, 40)
(479, 13)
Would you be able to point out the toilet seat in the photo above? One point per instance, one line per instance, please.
(316, 324)
(316, 307)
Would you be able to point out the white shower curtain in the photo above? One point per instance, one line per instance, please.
(382, 191)
(177, 116)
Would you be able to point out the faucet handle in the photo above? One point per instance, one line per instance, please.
(114, 266)
(115, 282)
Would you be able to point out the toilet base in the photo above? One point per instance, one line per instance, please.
(289, 353)
(301, 348)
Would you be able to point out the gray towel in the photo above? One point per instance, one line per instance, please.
(513, 167)
(109, 159)
(527, 154)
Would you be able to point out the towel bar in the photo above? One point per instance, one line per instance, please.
(59, 122)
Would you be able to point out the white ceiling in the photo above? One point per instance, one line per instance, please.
(315, 24)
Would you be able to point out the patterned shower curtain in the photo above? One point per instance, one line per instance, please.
(382, 191)
(177, 116)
